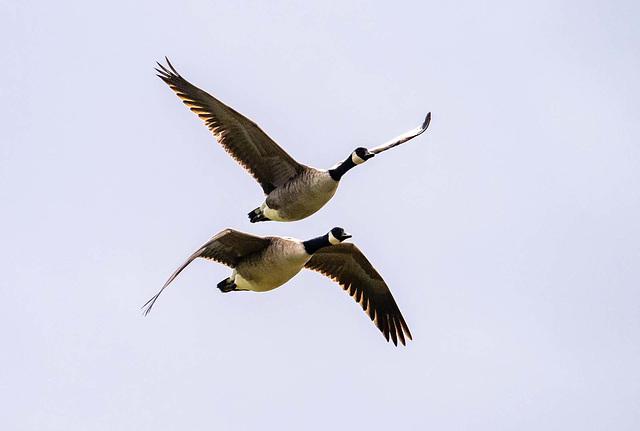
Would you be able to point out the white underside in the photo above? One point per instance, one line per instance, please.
(281, 263)
(300, 198)
(270, 213)
(244, 284)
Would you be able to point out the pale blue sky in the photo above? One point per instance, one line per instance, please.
(508, 232)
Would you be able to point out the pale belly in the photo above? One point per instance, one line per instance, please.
(267, 272)
(299, 200)
(263, 284)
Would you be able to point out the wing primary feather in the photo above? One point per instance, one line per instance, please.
(392, 330)
(405, 327)
(385, 321)
(404, 137)
(149, 304)
(365, 301)
(345, 264)
(173, 68)
(399, 329)
(358, 295)
(240, 137)
(226, 247)
(382, 325)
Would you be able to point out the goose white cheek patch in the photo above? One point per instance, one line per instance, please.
(356, 159)
(333, 240)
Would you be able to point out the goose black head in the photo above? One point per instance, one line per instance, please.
(337, 235)
(361, 155)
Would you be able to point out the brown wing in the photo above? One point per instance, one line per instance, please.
(265, 160)
(227, 248)
(346, 264)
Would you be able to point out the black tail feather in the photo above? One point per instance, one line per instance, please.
(256, 216)
(227, 285)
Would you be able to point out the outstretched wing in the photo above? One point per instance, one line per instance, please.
(265, 160)
(404, 137)
(227, 248)
(346, 264)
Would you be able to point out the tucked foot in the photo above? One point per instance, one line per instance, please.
(256, 215)
(226, 285)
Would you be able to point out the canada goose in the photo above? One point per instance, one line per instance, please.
(293, 191)
(261, 264)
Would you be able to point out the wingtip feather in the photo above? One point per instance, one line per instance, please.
(392, 330)
(149, 304)
(426, 122)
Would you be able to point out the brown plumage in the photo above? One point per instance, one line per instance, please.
(252, 148)
(347, 265)
(227, 247)
(264, 263)
(294, 190)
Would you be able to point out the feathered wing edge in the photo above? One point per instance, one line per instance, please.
(373, 294)
(226, 247)
(404, 137)
(258, 154)
(149, 304)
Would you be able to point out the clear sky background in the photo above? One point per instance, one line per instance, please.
(508, 232)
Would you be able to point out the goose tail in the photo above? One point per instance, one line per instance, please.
(257, 215)
(227, 285)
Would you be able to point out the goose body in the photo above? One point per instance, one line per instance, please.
(256, 272)
(298, 198)
(293, 190)
(261, 264)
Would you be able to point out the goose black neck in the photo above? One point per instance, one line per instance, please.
(315, 244)
(337, 172)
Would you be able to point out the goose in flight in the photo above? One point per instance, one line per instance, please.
(261, 264)
(293, 191)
